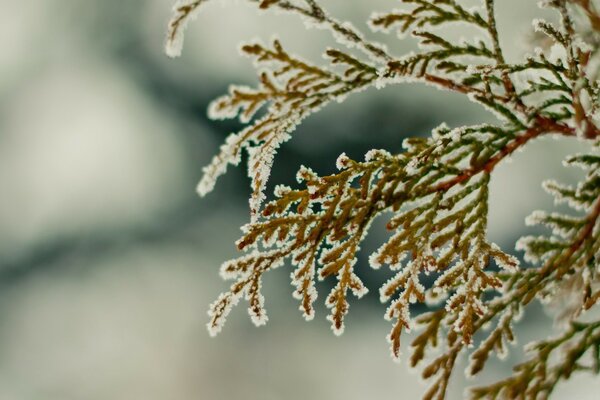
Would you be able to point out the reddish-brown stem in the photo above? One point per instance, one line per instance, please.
(542, 127)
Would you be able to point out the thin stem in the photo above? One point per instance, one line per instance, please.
(542, 127)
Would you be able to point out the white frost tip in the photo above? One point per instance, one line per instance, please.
(213, 331)
(375, 154)
(360, 292)
(537, 24)
(440, 131)
(342, 161)
(374, 260)
(336, 331)
(535, 218)
(308, 316)
(174, 46)
(259, 319)
(205, 186)
(281, 190)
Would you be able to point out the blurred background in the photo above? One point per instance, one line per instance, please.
(109, 260)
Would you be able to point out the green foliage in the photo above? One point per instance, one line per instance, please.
(437, 189)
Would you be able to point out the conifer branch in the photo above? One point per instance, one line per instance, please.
(437, 190)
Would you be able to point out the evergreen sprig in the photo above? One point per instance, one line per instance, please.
(437, 190)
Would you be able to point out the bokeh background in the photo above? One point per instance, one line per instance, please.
(108, 259)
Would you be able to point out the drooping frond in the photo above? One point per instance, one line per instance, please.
(440, 191)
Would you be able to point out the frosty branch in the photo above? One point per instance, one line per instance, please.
(437, 190)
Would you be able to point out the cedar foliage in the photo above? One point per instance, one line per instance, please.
(437, 189)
